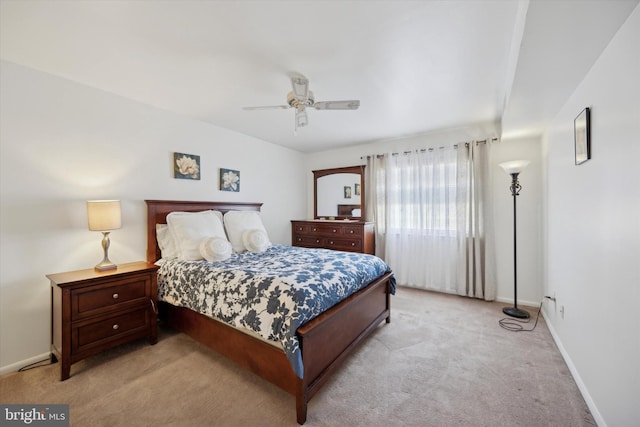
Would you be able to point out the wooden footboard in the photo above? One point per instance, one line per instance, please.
(326, 341)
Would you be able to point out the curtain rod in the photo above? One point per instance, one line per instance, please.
(422, 150)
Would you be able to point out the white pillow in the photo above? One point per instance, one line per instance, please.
(255, 240)
(165, 242)
(237, 222)
(189, 228)
(215, 249)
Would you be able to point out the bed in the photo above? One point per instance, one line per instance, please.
(324, 342)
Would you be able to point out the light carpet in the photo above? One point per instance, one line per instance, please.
(442, 361)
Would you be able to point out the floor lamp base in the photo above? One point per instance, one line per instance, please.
(516, 312)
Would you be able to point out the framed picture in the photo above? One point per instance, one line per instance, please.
(356, 189)
(229, 180)
(582, 136)
(347, 191)
(186, 166)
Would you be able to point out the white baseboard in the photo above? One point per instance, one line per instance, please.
(520, 302)
(16, 366)
(576, 376)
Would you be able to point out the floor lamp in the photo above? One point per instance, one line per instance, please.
(513, 168)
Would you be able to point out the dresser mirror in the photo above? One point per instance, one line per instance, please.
(339, 193)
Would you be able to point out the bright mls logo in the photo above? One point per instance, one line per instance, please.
(35, 415)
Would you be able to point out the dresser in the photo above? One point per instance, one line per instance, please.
(351, 236)
(93, 311)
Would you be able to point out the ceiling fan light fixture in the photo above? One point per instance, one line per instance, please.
(300, 87)
(301, 118)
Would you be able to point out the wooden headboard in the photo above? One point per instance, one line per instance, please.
(157, 211)
(346, 210)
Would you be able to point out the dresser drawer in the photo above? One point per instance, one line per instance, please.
(324, 229)
(308, 241)
(342, 244)
(89, 334)
(111, 295)
(301, 228)
(351, 230)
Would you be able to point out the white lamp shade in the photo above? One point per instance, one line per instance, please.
(104, 215)
(514, 166)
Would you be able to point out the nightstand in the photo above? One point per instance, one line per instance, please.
(93, 311)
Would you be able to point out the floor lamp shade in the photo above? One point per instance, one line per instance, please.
(514, 168)
(104, 216)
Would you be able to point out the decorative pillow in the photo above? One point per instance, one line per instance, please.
(215, 249)
(189, 228)
(165, 242)
(237, 222)
(255, 240)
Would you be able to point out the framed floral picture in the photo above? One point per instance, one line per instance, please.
(186, 166)
(347, 191)
(229, 180)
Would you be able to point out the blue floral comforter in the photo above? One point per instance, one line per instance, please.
(271, 293)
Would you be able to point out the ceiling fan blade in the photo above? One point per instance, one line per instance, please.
(301, 118)
(268, 107)
(337, 105)
(300, 86)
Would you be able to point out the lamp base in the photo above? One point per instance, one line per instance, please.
(105, 266)
(516, 312)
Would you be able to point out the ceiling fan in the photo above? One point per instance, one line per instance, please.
(301, 97)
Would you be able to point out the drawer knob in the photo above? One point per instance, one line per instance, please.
(353, 244)
(317, 241)
(334, 230)
(350, 231)
(315, 229)
(331, 242)
(115, 326)
(115, 296)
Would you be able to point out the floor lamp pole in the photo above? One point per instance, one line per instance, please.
(513, 168)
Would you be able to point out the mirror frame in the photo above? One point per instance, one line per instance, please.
(348, 169)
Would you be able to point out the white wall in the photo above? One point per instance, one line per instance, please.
(62, 144)
(593, 233)
(529, 202)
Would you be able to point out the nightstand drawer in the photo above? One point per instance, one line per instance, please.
(111, 295)
(112, 328)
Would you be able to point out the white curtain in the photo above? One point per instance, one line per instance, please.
(432, 214)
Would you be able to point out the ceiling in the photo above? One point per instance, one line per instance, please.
(416, 66)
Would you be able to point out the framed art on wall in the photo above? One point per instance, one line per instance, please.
(229, 180)
(186, 166)
(582, 136)
(347, 191)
